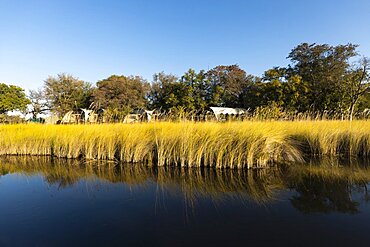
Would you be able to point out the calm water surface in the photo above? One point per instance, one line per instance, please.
(60, 203)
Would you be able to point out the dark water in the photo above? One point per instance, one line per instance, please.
(60, 203)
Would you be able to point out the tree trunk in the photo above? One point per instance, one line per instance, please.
(351, 109)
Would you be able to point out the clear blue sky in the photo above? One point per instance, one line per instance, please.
(95, 39)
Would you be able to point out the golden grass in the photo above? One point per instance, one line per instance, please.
(188, 144)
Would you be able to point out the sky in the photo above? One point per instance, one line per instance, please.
(94, 39)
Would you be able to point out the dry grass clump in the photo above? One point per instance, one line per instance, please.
(188, 144)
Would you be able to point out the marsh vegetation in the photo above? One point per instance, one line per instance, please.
(187, 144)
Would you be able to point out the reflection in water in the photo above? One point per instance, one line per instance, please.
(326, 186)
(258, 185)
(318, 195)
(318, 187)
(69, 203)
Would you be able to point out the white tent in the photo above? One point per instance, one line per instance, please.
(226, 110)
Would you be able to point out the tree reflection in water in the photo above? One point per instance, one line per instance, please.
(319, 187)
(324, 186)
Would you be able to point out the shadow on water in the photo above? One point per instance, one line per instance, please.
(319, 186)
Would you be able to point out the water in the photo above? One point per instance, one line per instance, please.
(65, 203)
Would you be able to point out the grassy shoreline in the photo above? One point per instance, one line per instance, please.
(221, 145)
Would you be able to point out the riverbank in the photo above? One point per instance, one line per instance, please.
(221, 145)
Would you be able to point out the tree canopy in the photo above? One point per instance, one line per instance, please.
(65, 93)
(38, 102)
(323, 68)
(220, 86)
(12, 98)
(320, 79)
(121, 92)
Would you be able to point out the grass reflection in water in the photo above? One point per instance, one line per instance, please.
(319, 187)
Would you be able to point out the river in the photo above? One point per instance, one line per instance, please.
(48, 202)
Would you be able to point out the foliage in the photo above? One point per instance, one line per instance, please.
(357, 83)
(323, 68)
(12, 98)
(121, 92)
(38, 103)
(65, 93)
(198, 85)
(4, 118)
(170, 94)
(227, 84)
(320, 82)
(220, 86)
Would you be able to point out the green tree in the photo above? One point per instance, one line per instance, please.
(169, 93)
(12, 98)
(324, 69)
(227, 84)
(357, 84)
(199, 85)
(252, 96)
(121, 94)
(364, 102)
(38, 102)
(65, 93)
(286, 89)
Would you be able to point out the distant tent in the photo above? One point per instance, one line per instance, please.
(52, 119)
(68, 118)
(140, 115)
(229, 111)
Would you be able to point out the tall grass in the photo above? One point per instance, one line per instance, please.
(233, 144)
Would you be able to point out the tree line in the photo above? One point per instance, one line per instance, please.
(319, 79)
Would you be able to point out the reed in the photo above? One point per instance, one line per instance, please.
(187, 144)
